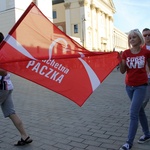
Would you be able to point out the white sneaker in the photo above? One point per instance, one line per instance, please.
(126, 146)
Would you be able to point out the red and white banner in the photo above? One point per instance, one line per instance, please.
(37, 50)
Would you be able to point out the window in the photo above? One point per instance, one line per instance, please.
(75, 28)
(54, 14)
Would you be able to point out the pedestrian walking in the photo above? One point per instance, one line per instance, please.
(133, 63)
(7, 106)
(146, 35)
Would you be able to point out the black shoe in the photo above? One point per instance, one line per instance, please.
(143, 139)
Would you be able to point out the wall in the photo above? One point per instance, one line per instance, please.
(11, 10)
(120, 40)
(7, 15)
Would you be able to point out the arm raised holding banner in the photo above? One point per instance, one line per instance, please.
(122, 66)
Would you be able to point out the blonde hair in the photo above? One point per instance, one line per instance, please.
(139, 34)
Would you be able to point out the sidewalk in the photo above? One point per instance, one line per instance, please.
(56, 123)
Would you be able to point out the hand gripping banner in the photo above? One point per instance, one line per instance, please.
(37, 50)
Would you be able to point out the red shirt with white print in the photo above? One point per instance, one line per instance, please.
(136, 67)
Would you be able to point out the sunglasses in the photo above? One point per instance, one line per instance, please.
(146, 35)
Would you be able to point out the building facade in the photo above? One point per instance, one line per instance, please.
(11, 10)
(90, 22)
(120, 40)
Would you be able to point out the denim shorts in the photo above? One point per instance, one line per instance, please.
(6, 103)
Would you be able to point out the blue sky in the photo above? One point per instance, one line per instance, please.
(132, 14)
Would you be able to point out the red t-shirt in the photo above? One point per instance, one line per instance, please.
(136, 72)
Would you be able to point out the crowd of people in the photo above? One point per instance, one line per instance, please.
(135, 62)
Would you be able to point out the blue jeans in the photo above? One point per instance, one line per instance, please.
(147, 97)
(137, 113)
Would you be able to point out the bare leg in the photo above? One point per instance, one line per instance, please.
(19, 125)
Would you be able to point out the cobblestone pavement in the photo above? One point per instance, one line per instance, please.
(56, 123)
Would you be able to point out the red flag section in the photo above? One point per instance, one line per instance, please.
(37, 50)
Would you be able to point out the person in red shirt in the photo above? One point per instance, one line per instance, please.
(133, 63)
(146, 35)
(7, 106)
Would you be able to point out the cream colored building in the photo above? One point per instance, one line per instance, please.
(90, 22)
(11, 10)
(120, 40)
